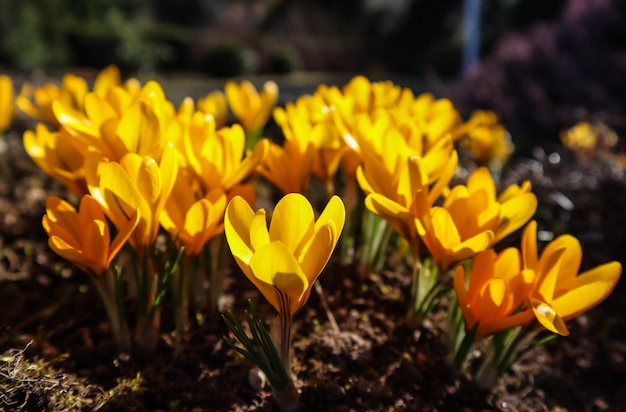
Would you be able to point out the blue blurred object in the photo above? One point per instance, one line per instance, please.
(471, 35)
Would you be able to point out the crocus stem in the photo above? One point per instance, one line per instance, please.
(252, 138)
(287, 399)
(182, 278)
(416, 288)
(425, 288)
(284, 344)
(147, 333)
(149, 316)
(350, 200)
(487, 373)
(199, 290)
(217, 248)
(5, 168)
(376, 235)
(106, 285)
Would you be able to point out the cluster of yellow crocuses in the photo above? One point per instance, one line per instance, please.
(131, 158)
(123, 150)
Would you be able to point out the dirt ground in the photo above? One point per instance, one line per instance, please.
(58, 353)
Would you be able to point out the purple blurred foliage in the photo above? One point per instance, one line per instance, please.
(555, 74)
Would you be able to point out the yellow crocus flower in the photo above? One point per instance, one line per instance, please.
(7, 105)
(435, 118)
(135, 183)
(250, 107)
(288, 167)
(581, 138)
(497, 288)
(192, 221)
(486, 139)
(121, 123)
(214, 104)
(562, 293)
(217, 158)
(58, 156)
(82, 237)
(441, 236)
(108, 78)
(371, 96)
(298, 127)
(71, 93)
(397, 201)
(475, 208)
(284, 261)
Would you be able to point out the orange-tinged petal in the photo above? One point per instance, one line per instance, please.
(548, 271)
(508, 263)
(62, 214)
(530, 258)
(515, 213)
(95, 245)
(445, 231)
(492, 300)
(508, 322)
(398, 217)
(548, 317)
(123, 234)
(53, 228)
(513, 191)
(483, 269)
(470, 247)
(461, 296)
(570, 260)
(589, 289)
(112, 188)
(245, 190)
(70, 253)
(7, 105)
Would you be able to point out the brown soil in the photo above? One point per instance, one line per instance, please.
(58, 353)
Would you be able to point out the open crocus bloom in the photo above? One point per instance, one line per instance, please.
(135, 183)
(83, 237)
(192, 221)
(217, 158)
(289, 167)
(58, 156)
(251, 108)
(496, 289)
(444, 241)
(475, 207)
(284, 261)
(562, 294)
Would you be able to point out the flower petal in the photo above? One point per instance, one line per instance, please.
(237, 221)
(274, 266)
(548, 317)
(589, 289)
(292, 222)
